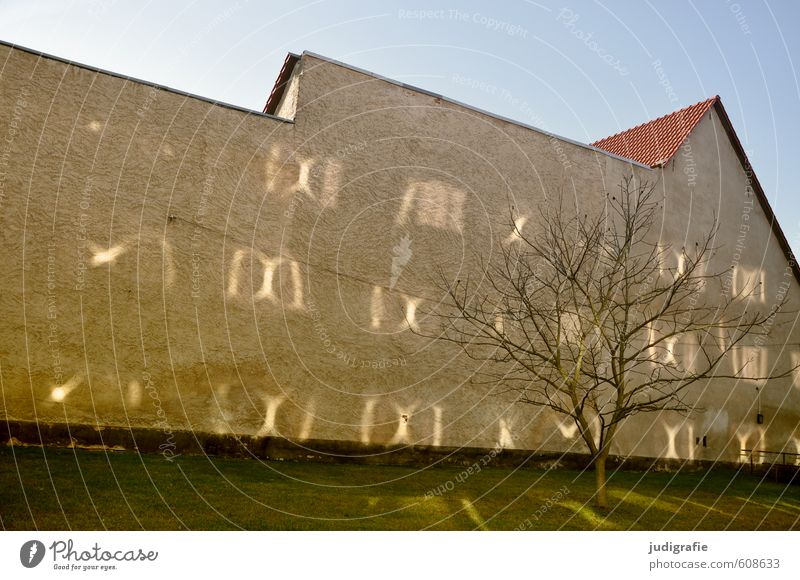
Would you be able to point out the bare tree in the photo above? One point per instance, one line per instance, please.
(583, 315)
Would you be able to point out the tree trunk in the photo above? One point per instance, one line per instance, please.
(600, 498)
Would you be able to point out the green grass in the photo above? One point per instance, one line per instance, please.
(58, 489)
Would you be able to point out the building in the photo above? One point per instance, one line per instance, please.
(179, 265)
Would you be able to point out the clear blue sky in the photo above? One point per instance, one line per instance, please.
(582, 69)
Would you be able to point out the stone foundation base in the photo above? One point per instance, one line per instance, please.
(177, 443)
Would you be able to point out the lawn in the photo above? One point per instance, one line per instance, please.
(57, 489)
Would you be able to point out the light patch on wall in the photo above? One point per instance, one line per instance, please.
(60, 392)
(515, 236)
(410, 320)
(377, 309)
(504, 439)
(567, 428)
(221, 425)
(272, 404)
(270, 266)
(760, 293)
(437, 426)
(692, 444)
(498, 323)
(761, 432)
(742, 437)
(672, 433)
(367, 420)
(750, 282)
(169, 263)
(222, 420)
(316, 180)
(722, 342)
(234, 273)
(308, 420)
(95, 126)
(751, 361)
(651, 336)
(571, 326)
(286, 178)
(796, 373)
(303, 184)
(297, 285)
(403, 433)
(133, 397)
(106, 255)
(331, 177)
(221, 392)
(796, 441)
(690, 353)
(266, 291)
(432, 203)
(669, 350)
(754, 441)
(272, 171)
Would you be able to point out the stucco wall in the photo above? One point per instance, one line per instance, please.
(172, 262)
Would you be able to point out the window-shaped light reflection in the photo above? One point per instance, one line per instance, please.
(272, 403)
(504, 439)
(672, 434)
(377, 308)
(367, 420)
(309, 413)
(432, 203)
(437, 426)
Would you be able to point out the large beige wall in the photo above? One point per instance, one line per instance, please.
(172, 262)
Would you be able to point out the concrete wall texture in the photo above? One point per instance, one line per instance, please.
(171, 263)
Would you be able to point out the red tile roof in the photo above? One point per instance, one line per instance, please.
(656, 142)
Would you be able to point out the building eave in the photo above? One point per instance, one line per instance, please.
(783, 241)
(279, 88)
(139, 81)
(475, 109)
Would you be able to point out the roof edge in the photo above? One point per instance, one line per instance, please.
(750, 174)
(139, 81)
(474, 109)
(279, 88)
